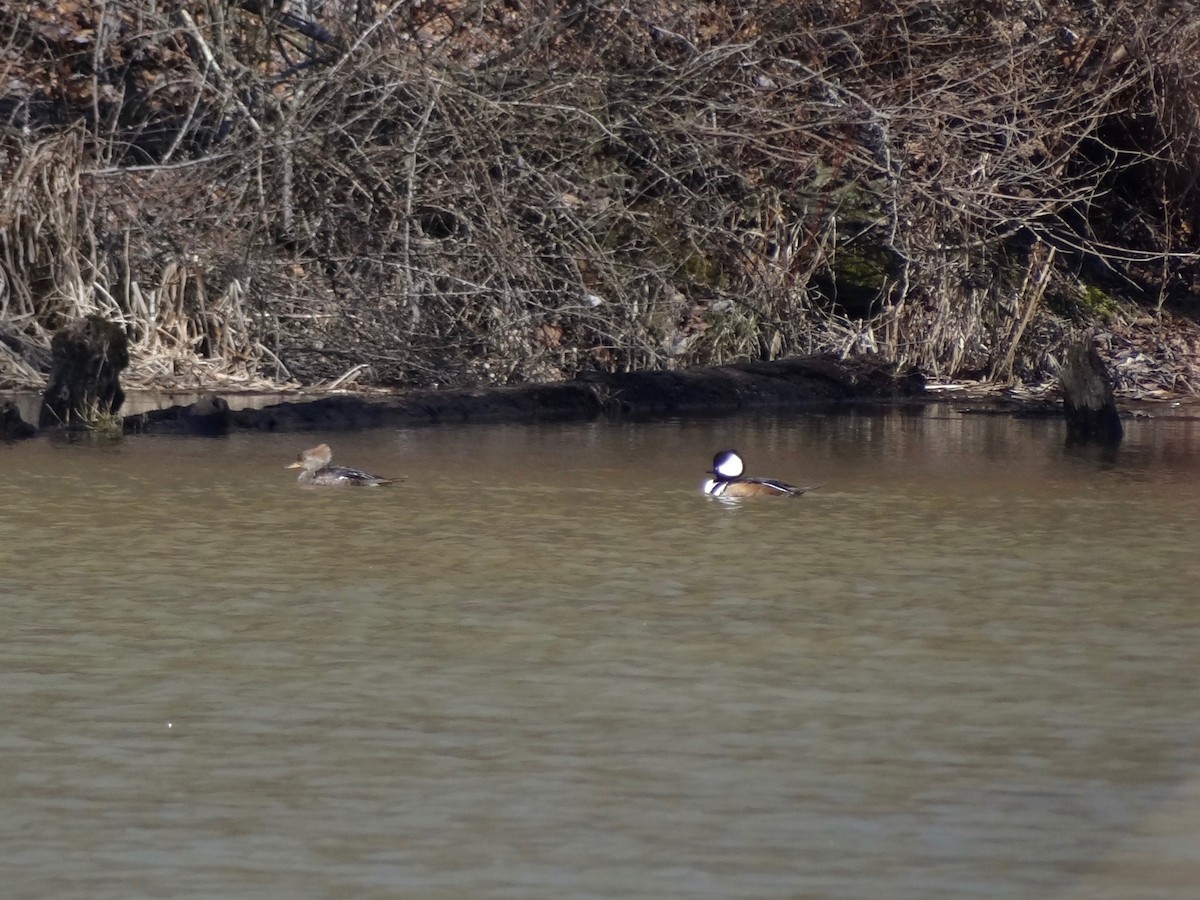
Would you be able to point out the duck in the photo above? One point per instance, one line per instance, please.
(317, 470)
(728, 480)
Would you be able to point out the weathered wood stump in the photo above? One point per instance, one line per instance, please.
(1088, 403)
(85, 373)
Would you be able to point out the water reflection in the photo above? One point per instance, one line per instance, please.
(545, 666)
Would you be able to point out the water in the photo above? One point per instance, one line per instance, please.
(545, 667)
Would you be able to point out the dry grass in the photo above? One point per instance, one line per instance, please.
(461, 193)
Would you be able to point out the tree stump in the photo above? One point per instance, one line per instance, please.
(85, 373)
(1088, 403)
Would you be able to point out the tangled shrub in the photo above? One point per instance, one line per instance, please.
(454, 192)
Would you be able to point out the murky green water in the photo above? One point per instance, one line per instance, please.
(545, 667)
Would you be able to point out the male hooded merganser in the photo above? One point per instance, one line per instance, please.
(728, 481)
(317, 470)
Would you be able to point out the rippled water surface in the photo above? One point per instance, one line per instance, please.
(544, 666)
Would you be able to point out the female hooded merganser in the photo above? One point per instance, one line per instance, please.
(317, 470)
(728, 481)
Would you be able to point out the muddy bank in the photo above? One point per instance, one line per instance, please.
(721, 390)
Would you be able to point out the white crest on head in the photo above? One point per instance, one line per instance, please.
(727, 464)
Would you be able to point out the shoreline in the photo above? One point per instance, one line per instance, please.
(782, 385)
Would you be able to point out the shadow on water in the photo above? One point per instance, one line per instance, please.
(546, 666)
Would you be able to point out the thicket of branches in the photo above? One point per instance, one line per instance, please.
(453, 191)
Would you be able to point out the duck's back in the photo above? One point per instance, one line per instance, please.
(755, 487)
(336, 475)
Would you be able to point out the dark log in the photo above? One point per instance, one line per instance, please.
(209, 417)
(1088, 403)
(12, 426)
(87, 357)
(723, 390)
